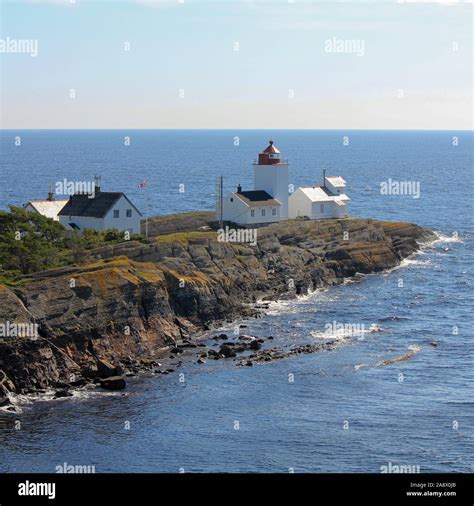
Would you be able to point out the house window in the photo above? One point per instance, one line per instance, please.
(322, 208)
(232, 200)
(263, 212)
(129, 213)
(116, 213)
(274, 212)
(252, 213)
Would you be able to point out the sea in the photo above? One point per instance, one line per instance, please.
(356, 408)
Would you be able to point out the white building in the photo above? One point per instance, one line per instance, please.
(268, 202)
(251, 207)
(101, 211)
(49, 207)
(320, 202)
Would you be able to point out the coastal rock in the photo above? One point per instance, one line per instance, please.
(255, 345)
(227, 351)
(213, 354)
(247, 338)
(223, 337)
(136, 300)
(105, 369)
(62, 393)
(113, 383)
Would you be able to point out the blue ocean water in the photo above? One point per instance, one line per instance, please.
(337, 411)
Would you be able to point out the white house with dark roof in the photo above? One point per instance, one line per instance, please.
(320, 202)
(101, 211)
(251, 207)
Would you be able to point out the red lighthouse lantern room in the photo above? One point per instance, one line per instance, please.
(270, 156)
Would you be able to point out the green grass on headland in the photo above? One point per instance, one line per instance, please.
(30, 242)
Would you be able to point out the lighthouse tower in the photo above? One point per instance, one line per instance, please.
(270, 173)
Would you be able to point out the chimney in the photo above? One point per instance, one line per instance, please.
(97, 184)
(239, 189)
(50, 193)
(324, 178)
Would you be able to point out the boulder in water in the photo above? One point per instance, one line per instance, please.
(227, 351)
(113, 383)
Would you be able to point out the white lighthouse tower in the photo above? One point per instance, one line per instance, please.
(270, 173)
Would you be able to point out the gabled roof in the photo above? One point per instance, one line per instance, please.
(257, 198)
(336, 181)
(48, 208)
(271, 149)
(97, 207)
(321, 194)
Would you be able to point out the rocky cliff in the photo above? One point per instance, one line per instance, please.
(139, 301)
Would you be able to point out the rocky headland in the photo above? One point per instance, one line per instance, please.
(136, 303)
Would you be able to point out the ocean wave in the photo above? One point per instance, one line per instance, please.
(299, 303)
(413, 350)
(413, 261)
(443, 238)
(346, 332)
(393, 318)
(19, 401)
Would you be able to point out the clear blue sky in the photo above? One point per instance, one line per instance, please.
(419, 50)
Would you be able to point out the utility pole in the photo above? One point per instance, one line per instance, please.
(219, 200)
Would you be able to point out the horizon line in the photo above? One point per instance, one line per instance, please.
(253, 129)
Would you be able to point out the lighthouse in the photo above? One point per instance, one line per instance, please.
(269, 201)
(270, 174)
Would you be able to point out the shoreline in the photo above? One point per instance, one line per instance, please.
(142, 290)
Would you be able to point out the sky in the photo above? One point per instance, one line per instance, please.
(354, 64)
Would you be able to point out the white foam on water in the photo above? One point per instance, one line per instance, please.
(20, 401)
(413, 350)
(443, 238)
(412, 261)
(299, 303)
(415, 262)
(346, 333)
